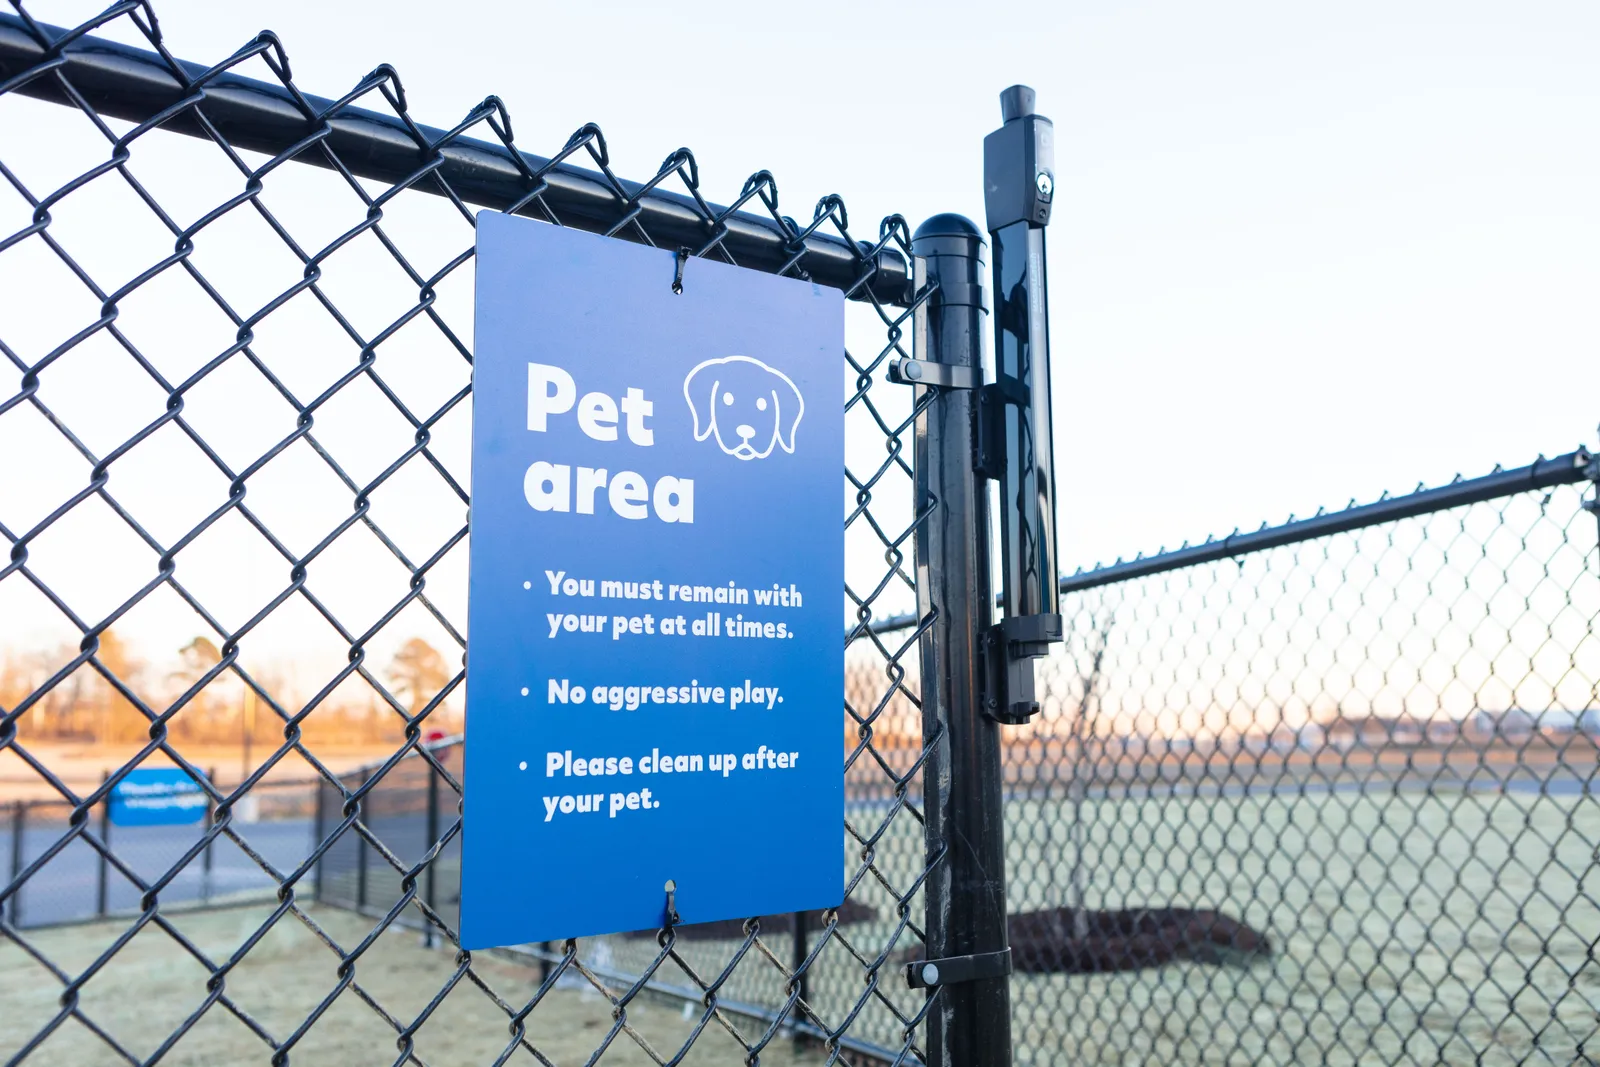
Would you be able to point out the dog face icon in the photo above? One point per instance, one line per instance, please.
(745, 404)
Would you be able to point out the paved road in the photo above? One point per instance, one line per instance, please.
(67, 887)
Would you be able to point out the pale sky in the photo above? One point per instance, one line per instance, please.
(1298, 254)
(1301, 252)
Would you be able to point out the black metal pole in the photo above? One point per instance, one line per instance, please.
(1566, 469)
(966, 895)
(19, 815)
(428, 883)
(102, 886)
(319, 830)
(797, 960)
(361, 848)
(205, 857)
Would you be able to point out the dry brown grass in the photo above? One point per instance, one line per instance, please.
(152, 985)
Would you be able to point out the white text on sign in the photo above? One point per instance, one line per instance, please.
(551, 486)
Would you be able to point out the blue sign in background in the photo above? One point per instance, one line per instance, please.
(686, 448)
(159, 796)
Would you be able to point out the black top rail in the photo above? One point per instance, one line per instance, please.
(137, 85)
(1540, 474)
(1573, 467)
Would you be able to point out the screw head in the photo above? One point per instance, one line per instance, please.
(1045, 184)
(910, 369)
(930, 974)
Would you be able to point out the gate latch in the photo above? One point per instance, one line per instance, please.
(1010, 647)
(929, 974)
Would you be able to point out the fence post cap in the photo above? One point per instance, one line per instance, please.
(947, 224)
(948, 234)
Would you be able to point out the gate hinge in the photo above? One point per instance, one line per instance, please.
(926, 372)
(928, 974)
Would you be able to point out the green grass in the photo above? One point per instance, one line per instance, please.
(1408, 928)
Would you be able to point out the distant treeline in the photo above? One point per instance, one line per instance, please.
(91, 704)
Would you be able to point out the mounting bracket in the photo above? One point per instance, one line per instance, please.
(929, 974)
(927, 372)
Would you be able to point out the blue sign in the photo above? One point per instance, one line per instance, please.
(157, 797)
(653, 660)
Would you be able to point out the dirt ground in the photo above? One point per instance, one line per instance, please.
(152, 985)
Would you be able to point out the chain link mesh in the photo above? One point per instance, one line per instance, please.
(235, 508)
(1329, 803)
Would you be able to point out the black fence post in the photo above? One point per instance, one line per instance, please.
(968, 959)
(102, 885)
(205, 856)
(19, 815)
(319, 830)
(797, 960)
(361, 848)
(428, 882)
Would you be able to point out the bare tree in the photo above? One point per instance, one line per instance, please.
(417, 672)
(120, 720)
(202, 717)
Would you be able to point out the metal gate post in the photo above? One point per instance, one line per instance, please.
(968, 963)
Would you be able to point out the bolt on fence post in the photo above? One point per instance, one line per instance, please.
(433, 839)
(966, 892)
(102, 885)
(19, 814)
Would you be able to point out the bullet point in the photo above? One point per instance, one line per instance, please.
(522, 766)
(527, 585)
(524, 690)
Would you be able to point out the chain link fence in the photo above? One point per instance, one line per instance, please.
(1321, 793)
(1333, 801)
(84, 884)
(239, 320)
